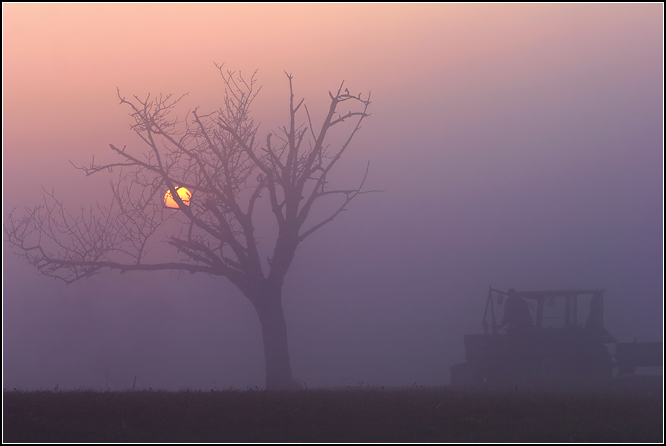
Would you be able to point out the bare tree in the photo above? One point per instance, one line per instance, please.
(217, 157)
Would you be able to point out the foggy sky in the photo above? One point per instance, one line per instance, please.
(518, 146)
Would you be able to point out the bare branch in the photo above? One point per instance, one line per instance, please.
(214, 156)
(349, 194)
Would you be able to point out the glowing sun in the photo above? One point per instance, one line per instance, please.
(184, 195)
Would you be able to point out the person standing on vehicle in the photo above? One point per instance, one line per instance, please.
(517, 317)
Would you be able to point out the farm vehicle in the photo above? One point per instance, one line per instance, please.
(547, 339)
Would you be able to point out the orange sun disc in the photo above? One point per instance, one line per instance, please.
(184, 195)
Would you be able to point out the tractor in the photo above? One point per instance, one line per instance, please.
(547, 339)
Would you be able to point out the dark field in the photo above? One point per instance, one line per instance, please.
(628, 411)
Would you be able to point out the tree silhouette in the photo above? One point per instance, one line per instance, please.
(215, 156)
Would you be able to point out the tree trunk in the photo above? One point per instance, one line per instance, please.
(276, 348)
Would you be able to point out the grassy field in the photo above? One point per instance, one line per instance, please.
(622, 413)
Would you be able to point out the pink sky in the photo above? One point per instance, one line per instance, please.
(438, 63)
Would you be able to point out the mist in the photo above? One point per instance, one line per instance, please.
(518, 146)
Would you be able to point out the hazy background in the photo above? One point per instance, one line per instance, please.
(519, 146)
